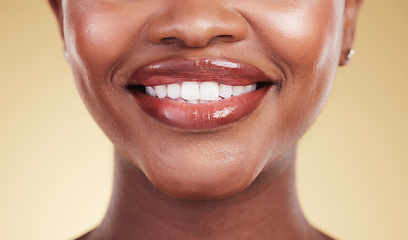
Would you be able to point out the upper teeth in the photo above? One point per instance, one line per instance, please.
(196, 92)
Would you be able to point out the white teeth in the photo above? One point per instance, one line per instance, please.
(247, 88)
(190, 91)
(161, 91)
(195, 92)
(225, 91)
(237, 90)
(209, 91)
(151, 91)
(174, 90)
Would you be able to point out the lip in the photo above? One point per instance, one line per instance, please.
(206, 116)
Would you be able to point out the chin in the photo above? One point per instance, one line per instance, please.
(206, 189)
(212, 181)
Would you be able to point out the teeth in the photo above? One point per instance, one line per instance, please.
(151, 91)
(225, 91)
(190, 91)
(247, 88)
(195, 92)
(209, 91)
(174, 91)
(161, 91)
(237, 90)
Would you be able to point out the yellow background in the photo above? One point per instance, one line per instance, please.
(56, 165)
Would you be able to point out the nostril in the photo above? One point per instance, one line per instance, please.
(197, 28)
(168, 40)
(224, 36)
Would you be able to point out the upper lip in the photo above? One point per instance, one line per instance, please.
(177, 70)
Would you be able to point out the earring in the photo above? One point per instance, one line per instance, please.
(350, 54)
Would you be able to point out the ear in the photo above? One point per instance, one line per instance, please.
(350, 18)
(57, 8)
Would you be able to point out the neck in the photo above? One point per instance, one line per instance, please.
(268, 209)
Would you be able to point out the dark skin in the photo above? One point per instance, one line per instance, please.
(232, 182)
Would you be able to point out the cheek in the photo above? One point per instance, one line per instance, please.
(301, 35)
(305, 41)
(98, 37)
(89, 29)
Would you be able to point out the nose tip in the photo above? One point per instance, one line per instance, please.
(197, 26)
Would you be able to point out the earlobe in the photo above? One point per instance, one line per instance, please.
(57, 9)
(351, 11)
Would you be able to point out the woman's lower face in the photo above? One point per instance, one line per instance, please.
(203, 96)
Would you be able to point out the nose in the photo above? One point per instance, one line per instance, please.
(196, 24)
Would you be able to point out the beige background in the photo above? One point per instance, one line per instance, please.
(56, 167)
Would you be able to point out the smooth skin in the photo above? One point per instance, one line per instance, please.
(233, 182)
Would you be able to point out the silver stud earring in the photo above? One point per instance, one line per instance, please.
(350, 54)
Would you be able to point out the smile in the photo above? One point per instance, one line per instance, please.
(199, 94)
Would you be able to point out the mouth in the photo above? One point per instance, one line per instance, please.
(199, 94)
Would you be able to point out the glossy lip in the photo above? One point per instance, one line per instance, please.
(206, 116)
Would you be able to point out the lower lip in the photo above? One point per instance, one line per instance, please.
(206, 116)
